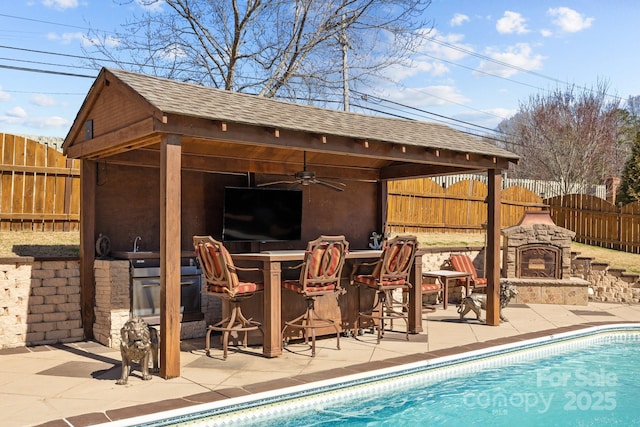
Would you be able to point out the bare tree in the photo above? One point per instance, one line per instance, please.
(568, 136)
(286, 48)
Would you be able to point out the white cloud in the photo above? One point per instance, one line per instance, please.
(511, 22)
(546, 33)
(488, 117)
(429, 96)
(501, 113)
(67, 38)
(150, 5)
(4, 96)
(42, 100)
(17, 112)
(459, 19)
(172, 52)
(569, 20)
(445, 46)
(521, 55)
(49, 122)
(60, 4)
(108, 41)
(18, 116)
(426, 60)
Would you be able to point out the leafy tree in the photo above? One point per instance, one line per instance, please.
(286, 48)
(567, 136)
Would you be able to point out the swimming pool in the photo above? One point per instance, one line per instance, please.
(588, 377)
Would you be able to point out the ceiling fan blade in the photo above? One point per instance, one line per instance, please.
(329, 185)
(266, 184)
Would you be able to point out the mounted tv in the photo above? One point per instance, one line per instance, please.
(261, 214)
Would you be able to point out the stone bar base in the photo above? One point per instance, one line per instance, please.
(550, 291)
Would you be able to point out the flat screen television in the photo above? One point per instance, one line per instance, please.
(253, 214)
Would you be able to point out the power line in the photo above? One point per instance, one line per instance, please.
(40, 21)
(37, 70)
(46, 63)
(423, 111)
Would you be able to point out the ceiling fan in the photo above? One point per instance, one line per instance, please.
(305, 177)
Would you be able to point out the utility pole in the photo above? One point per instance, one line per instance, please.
(345, 68)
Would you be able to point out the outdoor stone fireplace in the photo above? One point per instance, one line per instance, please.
(537, 259)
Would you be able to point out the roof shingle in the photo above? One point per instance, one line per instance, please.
(173, 97)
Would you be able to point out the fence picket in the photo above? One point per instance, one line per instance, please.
(460, 207)
(39, 187)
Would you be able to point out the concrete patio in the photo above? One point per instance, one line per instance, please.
(75, 384)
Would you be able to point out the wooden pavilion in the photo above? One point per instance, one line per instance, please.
(157, 155)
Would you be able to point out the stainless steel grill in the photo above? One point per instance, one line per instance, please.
(145, 290)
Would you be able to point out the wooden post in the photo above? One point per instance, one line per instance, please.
(415, 296)
(272, 303)
(87, 245)
(170, 247)
(493, 246)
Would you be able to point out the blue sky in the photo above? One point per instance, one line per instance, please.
(460, 74)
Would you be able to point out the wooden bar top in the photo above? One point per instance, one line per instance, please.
(297, 255)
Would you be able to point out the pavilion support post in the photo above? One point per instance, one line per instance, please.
(170, 248)
(493, 246)
(88, 176)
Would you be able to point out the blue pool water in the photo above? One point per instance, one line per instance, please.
(592, 386)
(589, 378)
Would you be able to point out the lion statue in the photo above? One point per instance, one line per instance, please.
(139, 343)
(477, 302)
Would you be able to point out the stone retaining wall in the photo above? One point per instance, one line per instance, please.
(613, 285)
(39, 302)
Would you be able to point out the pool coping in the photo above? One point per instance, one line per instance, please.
(117, 417)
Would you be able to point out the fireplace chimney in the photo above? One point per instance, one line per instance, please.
(536, 217)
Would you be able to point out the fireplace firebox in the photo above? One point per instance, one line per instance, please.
(538, 261)
(537, 248)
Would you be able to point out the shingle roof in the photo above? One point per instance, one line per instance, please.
(187, 99)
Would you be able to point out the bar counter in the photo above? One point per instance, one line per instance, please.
(271, 263)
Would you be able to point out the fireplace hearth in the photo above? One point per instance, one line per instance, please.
(537, 248)
(537, 259)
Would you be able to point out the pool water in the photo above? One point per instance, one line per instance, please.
(585, 378)
(591, 386)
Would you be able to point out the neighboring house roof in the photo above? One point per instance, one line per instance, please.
(174, 97)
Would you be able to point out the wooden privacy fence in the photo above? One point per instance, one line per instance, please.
(39, 187)
(598, 222)
(423, 206)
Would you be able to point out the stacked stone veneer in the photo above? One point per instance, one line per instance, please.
(112, 305)
(563, 290)
(608, 284)
(39, 302)
(544, 234)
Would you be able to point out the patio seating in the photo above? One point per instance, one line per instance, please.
(463, 263)
(222, 281)
(390, 272)
(320, 274)
(426, 289)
